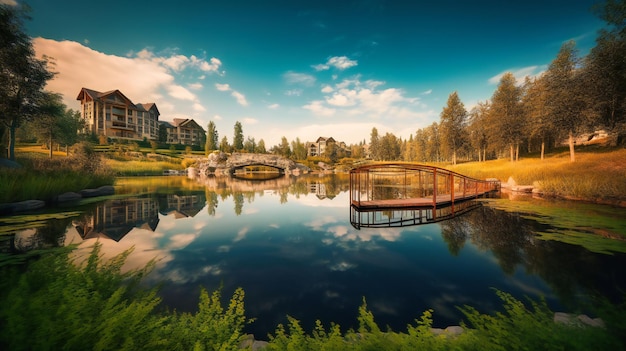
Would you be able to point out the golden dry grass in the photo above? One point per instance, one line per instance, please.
(593, 176)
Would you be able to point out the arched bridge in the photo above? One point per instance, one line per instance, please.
(406, 185)
(241, 160)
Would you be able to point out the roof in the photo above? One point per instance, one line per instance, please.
(96, 95)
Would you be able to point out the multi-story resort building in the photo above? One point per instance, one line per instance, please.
(114, 115)
(184, 131)
(318, 147)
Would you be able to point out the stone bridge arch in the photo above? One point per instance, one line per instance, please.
(240, 160)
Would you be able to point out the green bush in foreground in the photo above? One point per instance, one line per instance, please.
(58, 304)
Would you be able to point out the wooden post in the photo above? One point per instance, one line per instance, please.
(434, 189)
(451, 175)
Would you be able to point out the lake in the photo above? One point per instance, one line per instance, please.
(291, 243)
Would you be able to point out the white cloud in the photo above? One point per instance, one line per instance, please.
(427, 92)
(338, 62)
(273, 106)
(222, 87)
(241, 99)
(143, 76)
(327, 89)
(181, 93)
(249, 121)
(318, 108)
(198, 107)
(293, 92)
(520, 74)
(299, 78)
(217, 117)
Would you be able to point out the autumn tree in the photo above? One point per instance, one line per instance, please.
(477, 129)
(452, 124)
(537, 112)
(506, 118)
(374, 144)
(564, 95)
(389, 147)
(22, 75)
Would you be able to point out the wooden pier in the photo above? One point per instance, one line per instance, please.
(404, 185)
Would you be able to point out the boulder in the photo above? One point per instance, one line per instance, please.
(67, 197)
(22, 206)
(101, 191)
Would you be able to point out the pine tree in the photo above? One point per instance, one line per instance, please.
(453, 122)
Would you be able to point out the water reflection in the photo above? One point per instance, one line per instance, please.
(291, 244)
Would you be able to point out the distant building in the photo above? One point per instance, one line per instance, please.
(184, 131)
(114, 115)
(318, 147)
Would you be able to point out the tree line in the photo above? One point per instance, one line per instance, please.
(574, 95)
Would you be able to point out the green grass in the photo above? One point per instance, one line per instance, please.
(59, 303)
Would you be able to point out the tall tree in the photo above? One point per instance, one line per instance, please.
(452, 125)
(605, 67)
(211, 138)
(238, 137)
(506, 118)
(260, 147)
(477, 129)
(22, 75)
(47, 121)
(249, 145)
(537, 113)
(565, 98)
(299, 149)
(389, 147)
(283, 149)
(374, 144)
(162, 133)
(224, 145)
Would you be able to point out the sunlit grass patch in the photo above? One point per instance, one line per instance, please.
(137, 167)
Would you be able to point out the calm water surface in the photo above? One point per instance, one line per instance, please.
(290, 245)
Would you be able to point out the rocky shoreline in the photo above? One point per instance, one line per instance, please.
(33, 205)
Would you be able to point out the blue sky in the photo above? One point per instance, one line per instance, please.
(303, 68)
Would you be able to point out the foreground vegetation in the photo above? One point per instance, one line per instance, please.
(60, 303)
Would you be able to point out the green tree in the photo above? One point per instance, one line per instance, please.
(238, 137)
(389, 147)
(211, 139)
(283, 148)
(47, 121)
(22, 75)
(162, 133)
(224, 145)
(249, 145)
(260, 147)
(299, 149)
(506, 118)
(605, 68)
(452, 125)
(433, 143)
(564, 94)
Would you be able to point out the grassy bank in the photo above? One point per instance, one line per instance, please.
(41, 178)
(596, 175)
(57, 304)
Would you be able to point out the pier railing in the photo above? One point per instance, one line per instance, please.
(400, 185)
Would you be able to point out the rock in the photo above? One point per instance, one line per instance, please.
(67, 197)
(22, 206)
(511, 182)
(436, 331)
(565, 318)
(522, 188)
(250, 344)
(453, 330)
(101, 191)
(595, 322)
